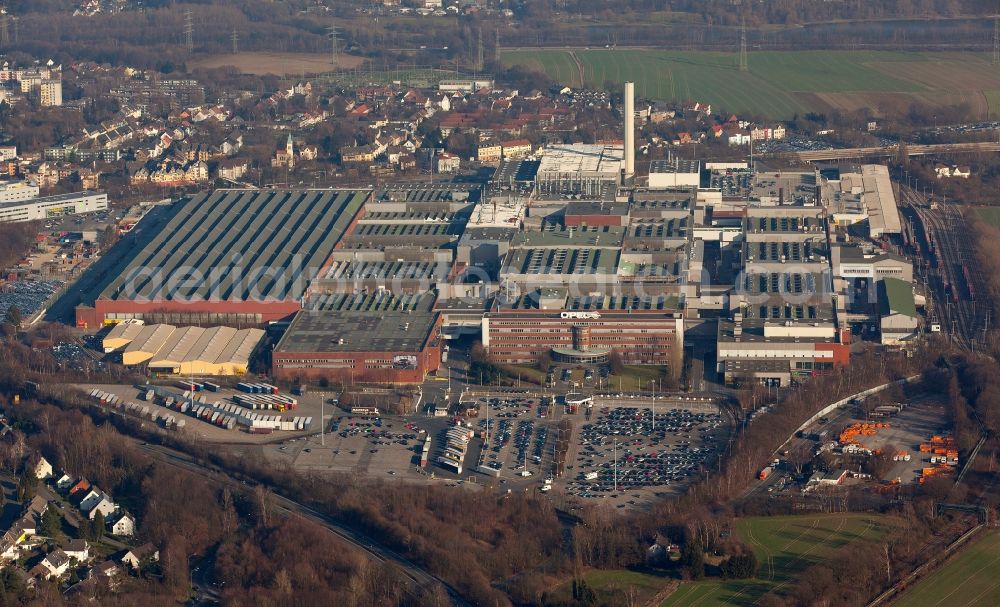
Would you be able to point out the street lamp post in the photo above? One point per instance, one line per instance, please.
(614, 460)
(322, 419)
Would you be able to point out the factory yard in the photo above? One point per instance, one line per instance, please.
(923, 417)
(308, 406)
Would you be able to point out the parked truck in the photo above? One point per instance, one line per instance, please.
(766, 472)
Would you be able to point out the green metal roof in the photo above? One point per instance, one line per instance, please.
(896, 297)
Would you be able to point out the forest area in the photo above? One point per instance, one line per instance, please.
(15, 239)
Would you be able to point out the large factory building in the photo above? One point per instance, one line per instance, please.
(235, 257)
(587, 329)
(378, 338)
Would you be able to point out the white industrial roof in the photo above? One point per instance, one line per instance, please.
(583, 158)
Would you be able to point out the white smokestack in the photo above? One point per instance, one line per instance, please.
(629, 130)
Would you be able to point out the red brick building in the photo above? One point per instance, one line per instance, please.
(640, 336)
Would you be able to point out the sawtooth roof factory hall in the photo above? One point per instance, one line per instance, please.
(568, 254)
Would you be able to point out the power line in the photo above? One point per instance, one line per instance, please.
(496, 49)
(744, 64)
(188, 30)
(479, 51)
(332, 34)
(996, 40)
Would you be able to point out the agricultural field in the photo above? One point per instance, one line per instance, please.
(785, 546)
(968, 580)
(780, 84)
(279, 64)
(989, 215)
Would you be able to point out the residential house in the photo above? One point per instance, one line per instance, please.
(97, 501)
(43, 469)
(64, 482)
(233, 168)
(737, 137)
(80, 485)
(54, 565)
(137, 557)
(516, 148)
(16, 539)
(106, 569)
(308, 152)
(446, 163)
(36, 507)
(355, 154)
(407, 162)
(489, 152)
(232, 144)
(121, 524)
(77, 550)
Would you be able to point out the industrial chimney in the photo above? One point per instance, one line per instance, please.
(629, 132)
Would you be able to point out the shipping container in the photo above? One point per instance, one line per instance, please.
(211, 387)
(260, 430)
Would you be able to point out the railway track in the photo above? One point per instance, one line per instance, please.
(415, 575)
(946, 230)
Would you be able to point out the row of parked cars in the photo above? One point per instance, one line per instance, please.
(628, 448)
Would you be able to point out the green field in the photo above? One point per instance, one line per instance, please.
(785, 546)
(615, 583)
(781, 83)
(969, 580)
(990, 216)
(993, 100)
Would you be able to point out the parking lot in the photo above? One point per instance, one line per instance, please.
(29, 296)
(523, 436)
(623, 453)
(355, 444)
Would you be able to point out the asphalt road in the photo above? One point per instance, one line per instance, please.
(419, 577)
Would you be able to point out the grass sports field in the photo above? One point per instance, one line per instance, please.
(785, 546)
(782, 83)
(969, 580)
